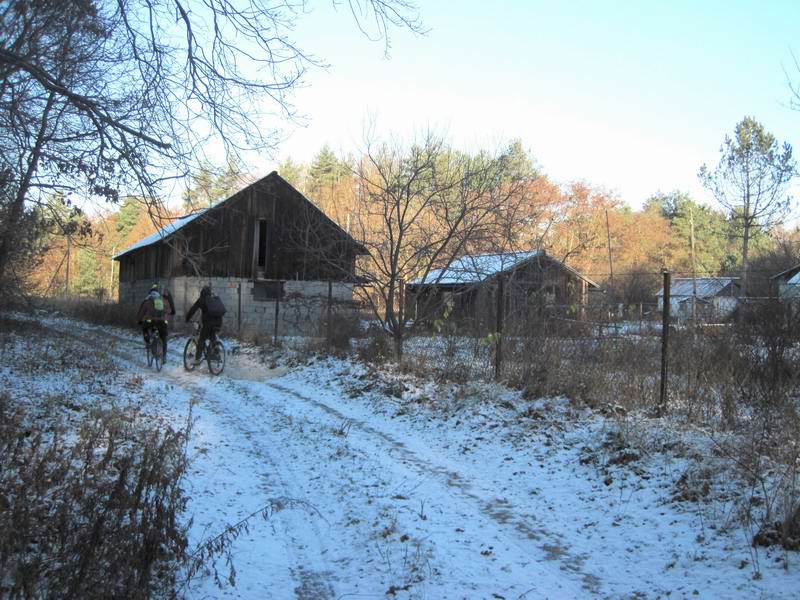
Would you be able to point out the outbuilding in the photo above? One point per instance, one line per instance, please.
(533, 281)
(715, 298)
(263, 245)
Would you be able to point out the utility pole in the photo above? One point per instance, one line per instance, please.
(610, 264)
(69, 260)
(663, 396)
(111, 278)
(694, 272)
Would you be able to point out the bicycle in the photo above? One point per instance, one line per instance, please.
(213, 351)
(154, 347)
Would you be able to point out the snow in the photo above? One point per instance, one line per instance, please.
(706, 286)
(164, 232)
(393, 486)
(475, 268)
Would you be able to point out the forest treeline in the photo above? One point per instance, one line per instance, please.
(586, 226)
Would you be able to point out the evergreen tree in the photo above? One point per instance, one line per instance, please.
(294, 173)
(210, 185)
(325, 172)
(750, 181)
(127, 216)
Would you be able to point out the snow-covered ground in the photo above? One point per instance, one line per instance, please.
(385, 485)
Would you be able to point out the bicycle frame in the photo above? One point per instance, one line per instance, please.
(213, 341)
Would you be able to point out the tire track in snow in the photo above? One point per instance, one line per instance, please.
(309, 583)
(500, 511)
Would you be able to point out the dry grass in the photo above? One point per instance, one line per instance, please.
(77, 509)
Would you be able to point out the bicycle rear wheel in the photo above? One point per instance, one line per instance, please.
(158, 353)
(188, 354)
(216, 357)
(148, 352)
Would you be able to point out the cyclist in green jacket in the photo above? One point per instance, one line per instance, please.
(154, 311)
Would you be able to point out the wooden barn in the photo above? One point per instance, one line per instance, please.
(532, 281)
(265, 243)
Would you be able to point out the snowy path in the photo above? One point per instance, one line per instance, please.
(262, 441)
(418, 507)
(393, 516)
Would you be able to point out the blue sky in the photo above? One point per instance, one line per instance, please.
(632, 96)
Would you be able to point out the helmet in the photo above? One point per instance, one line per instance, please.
(206, 290)
(154, 287)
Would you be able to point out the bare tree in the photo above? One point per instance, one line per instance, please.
(120, 96)
(750, 181)
(420, 207)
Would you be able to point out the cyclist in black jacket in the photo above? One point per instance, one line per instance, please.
(210, 323)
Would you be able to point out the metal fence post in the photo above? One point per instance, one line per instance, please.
(239, 311)
(498, 342)
(662, 403)
(277, 313)
(329, 325)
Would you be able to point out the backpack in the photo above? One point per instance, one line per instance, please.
(214, 306)
(157, 305)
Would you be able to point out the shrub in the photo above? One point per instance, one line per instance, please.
(377, 347)
(344, 327)
(97, 517)
(94, 311)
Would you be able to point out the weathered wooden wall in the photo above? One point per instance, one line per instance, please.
(303, 243)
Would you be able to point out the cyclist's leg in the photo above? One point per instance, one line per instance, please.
(204, 335)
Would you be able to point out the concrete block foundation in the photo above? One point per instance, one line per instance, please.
(251, 305)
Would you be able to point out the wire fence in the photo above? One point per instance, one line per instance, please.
(710, 358)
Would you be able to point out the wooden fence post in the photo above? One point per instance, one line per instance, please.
(662, 403)
(498, 342)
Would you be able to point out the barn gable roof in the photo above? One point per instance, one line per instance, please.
(788, 274)
(476, 268)
(170, 229)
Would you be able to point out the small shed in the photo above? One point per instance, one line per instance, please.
(716, 298)
(533, 280)
(787, 283)
(267, 243)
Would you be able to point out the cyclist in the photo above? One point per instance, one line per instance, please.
(154, 312)
(211, 318)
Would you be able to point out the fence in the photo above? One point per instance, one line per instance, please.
(716, 360)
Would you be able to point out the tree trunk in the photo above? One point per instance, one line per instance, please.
(745, 259)
(9, 228)
(398, 345)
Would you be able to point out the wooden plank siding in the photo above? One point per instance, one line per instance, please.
(302, 242)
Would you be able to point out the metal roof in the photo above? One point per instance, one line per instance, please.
(795, 279)
(795, 269)
(164, 232)
(706, 286)
(471, 269)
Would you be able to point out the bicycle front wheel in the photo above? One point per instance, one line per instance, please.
(188, 354)
(148, 353)
(216, 358)
(158, 353)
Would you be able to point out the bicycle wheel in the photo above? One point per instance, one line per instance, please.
(216, 357)
(148, 352)
(158, 353)
(188, 354)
